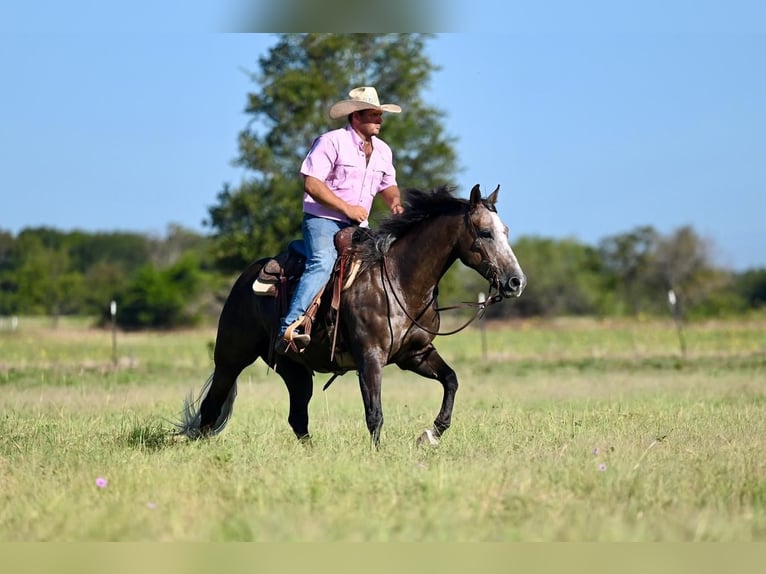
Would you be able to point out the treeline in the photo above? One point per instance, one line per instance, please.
(157, 282)
(630, 274)
(175, 280)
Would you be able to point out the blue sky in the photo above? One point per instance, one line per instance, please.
(594, 117)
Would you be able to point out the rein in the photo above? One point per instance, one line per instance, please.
(488, 270)
(481, 306)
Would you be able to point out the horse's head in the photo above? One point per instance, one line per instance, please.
(486, 248)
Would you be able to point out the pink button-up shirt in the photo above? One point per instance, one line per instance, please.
(337, 159)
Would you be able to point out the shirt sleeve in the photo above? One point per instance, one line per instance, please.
(389, 178)
(389, 171)
(320, 159)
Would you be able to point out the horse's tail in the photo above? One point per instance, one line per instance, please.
(191, 417)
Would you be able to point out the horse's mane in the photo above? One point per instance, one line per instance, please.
(419, 206)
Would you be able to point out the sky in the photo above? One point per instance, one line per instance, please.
(594, 117)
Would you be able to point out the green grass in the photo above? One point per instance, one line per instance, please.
(565, 431)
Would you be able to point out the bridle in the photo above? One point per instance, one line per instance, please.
(486, 268)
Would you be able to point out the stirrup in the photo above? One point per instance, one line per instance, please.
(297, 344)
(292, 341)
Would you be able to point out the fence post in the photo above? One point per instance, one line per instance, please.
(676, 309)
(113, 310)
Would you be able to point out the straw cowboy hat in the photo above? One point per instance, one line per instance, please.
(364, 98)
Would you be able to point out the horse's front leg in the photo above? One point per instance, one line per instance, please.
(370, 379)
(430, 364)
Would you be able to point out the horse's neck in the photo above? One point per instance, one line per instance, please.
(421, 259)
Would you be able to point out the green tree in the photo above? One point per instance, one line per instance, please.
(129, 251)
(298, 81)
(565, 278)
(176, 244)
(105, 282)
(162, 298)
(8, 282)
(751, 286)
(45, 281)
(682, 262)
(626, 258)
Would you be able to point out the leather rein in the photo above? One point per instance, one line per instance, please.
(486, 268)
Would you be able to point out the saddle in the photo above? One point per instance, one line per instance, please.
(280, 275)
(281, 270)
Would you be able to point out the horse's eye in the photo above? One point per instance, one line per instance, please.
(485, 233)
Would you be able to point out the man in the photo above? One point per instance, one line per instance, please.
(342, 173)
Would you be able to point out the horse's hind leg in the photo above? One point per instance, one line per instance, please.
(233, 352)
(217, 405)
(300, 385)
(431, 365)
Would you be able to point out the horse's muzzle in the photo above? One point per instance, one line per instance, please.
(513, 286)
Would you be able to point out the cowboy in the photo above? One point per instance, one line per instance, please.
(342, 173)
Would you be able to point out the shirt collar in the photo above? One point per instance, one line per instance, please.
(358, 142)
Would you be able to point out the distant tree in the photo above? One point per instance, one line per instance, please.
(627, 258)
(682, 262)
(177, 243)
(564, 278)
(8, 280)
(7, 244)
(298, 81)
(129, 251)
(45, 281)
(105, 281)
(751, 286)
(162, 298)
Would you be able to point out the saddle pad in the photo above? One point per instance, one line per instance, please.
(264, 289)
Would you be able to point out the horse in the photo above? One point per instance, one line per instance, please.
(387, 315)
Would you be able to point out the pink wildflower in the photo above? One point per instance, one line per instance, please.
(101, 482)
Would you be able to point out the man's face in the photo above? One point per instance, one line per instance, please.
(368, 122)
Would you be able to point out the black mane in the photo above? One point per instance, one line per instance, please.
(419, 206)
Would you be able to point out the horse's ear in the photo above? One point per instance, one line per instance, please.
(492, 199)
(475, 196)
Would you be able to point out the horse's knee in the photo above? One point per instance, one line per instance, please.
(449, 382)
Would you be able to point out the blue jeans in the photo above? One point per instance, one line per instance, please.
(318, 235)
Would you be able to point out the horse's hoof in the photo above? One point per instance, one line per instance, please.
(428, 438)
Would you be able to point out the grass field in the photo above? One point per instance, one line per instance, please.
(566, 430)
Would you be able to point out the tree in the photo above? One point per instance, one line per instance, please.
(162, 298)
(627, 257)
(682, 262)
(44, 278)
(565, 278)
(178, 242)
(129, 251)
(8, 281)
(298, 81)
(751, 286)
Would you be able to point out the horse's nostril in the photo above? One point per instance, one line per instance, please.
(515, 282)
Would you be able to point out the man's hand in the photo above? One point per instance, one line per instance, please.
(355, 213)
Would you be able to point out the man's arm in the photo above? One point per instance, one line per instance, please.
(393, 199)
(320, 193)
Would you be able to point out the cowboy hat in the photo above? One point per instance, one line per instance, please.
(364, 98)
